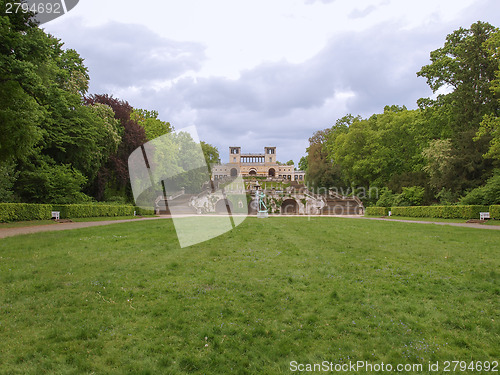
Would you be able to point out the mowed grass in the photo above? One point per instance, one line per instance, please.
(125, 298)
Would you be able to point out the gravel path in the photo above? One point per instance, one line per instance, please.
(467, 225)
(9, 232)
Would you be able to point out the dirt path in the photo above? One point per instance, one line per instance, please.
(9, 232)
(466, 225)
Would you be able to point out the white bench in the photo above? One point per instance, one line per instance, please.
(484, 215)
(56, 215)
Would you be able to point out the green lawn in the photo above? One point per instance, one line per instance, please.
(125, 298)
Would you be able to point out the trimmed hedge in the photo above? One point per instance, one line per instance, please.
(28, 211)
(377, 211)
(24, 211)
(98, 210)
(143, 211)
(69, 211)
(445, 212)
(495, 212)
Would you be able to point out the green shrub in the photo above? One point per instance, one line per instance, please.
(24, 212)
(445, 212)
(487, 194)
(116, 199)
(495, 212)
(386, 198)
(377, 211)
(56, 184)
(411, 196)
(8, 176)
(447, 197)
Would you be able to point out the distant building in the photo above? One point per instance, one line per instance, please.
(263, 165)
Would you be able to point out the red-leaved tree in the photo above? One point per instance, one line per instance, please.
(113, 178)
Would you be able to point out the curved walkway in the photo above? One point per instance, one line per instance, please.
(9, 232)
(466, 225)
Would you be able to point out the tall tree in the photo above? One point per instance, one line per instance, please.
(320, 171)
(491, 122)
(465, 66)
(384, 150)
(23, 49)
(303, 164)
(50, 131)
(211, 153)
(153, 126)
(113, 178)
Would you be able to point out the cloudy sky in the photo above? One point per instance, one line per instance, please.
(263, 72)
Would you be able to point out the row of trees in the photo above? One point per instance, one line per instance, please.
(59, 144)
(445, 151)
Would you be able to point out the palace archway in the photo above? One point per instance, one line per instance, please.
(253, 207)
(289, 207)
(221, 206)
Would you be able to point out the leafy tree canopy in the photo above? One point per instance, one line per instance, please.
(210, 152)
(153, 126)
(465, 66)
(447, 147)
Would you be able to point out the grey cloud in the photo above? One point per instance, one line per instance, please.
(319, 1)
(379, 66)
(271, 88)
(123, 55)
(276, 103)
(283, 104)
(360, 13)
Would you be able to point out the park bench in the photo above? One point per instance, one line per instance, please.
(484, 215)
(56, 215)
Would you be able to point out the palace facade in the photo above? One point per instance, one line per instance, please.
(249, 164)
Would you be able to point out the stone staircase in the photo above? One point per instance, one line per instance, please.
(181, 204)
